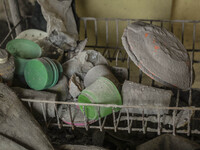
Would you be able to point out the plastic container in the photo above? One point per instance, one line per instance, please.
(23, 51)
(41, 73)
(102, 91)
(7, 67)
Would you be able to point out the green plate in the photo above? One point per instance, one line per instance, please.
(23, 50)
(59, 66)
(38, 74)
(55, 71)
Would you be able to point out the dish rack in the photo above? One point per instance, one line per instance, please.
(97, 30)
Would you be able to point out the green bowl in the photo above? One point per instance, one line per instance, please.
(23, 50)
(102, 91)
(38, 74)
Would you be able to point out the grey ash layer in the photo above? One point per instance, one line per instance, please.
(158, 53)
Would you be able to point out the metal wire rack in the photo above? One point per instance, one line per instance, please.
(117, 56)
(97, 30)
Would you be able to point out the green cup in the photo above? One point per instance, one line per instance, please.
(23, 50)
(102, 91)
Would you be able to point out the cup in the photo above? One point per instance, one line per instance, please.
(99, 71)
(102, 91)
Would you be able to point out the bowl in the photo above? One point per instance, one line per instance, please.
(23, 50)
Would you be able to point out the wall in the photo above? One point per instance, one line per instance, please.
(148, 9)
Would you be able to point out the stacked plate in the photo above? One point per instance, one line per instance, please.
(42, 73)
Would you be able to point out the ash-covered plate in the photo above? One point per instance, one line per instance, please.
(158, 53)
(32, 34)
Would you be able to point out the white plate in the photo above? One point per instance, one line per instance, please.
(32, 34)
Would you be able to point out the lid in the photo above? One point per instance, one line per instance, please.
(158, 53)
(38, 74)
(24, 48)
(3, 56)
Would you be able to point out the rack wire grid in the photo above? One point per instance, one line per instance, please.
(98, 30)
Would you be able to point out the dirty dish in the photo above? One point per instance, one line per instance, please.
(55, 71)
(61, 89)
(38, 36)
(121, 73)
(38, 74)
(99, 71)
(56, 74)
(50, 50)
(83, 62)
(158, 53)
(32, 34)
(135, 94)
(23, 51)
(41, 73)
(102, 91)
(59, 66)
